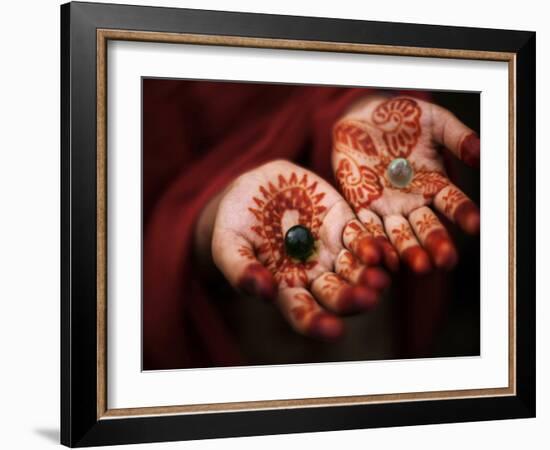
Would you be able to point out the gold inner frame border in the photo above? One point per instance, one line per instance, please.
(103, 36)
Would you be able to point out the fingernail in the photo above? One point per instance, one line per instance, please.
(391, 258)
(375, 278)
(257, 281)
(357, 298)
(439, 245)
(326, 327)
(365, 298)
(368, 251)
(469, 150)
(467, 217)
(417, 259)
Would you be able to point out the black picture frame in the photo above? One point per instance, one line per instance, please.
(80, 425)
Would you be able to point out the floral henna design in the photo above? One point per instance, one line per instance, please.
(353, 136)
(427, 183)
(373, 228)
(348, 266)
(305, 305)
(360, 184)
(399, 120)
(255, 279)
(401, 234)
(452, 198)
(254, 249)
(331, 284)
(246, 252)
(365, 149)
(292, 195)
(387, 164)
(426, 222)
(459, 208)
(361, 242)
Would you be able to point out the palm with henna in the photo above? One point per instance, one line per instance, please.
(338, 276)
(387, 163)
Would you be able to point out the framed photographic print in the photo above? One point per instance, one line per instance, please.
(276, 224)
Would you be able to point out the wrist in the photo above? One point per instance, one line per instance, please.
(357, 108)
(204, 229)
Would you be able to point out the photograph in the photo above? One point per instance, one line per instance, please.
(302, 224)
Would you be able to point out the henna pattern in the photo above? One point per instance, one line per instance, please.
(287, 194)
(361, 243)
(360, 184)
(361, 169)
(373, 228)
(402, 234)
(246, 252)
(426, 222)
(305, 306)
(367, 144)
(352, 136)
(331, 283)
(427, 183)
(348, 264)
(399, 119)
(452, 198)
(352, 230)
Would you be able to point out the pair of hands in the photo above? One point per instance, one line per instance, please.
(371, 223)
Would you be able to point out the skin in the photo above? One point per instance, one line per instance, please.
(246, 225)
(378, 130)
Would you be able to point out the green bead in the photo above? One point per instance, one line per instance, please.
(299, 242)
(400, 172)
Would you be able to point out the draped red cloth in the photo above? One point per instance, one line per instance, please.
(197, 137)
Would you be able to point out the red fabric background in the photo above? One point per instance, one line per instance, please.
(197, 137)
